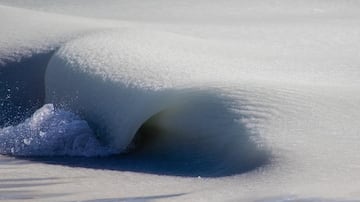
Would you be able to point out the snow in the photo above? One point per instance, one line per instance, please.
(259, 99)
(51, 133)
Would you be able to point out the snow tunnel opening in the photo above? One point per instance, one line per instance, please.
(147, 134)
(196, 139)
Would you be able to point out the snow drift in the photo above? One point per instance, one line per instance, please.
(267, 92)
(121, 81)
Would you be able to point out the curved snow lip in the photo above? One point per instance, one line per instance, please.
(197, 136)
(169, 152)
(124, 85)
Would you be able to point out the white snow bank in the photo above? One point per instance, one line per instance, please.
(117, 81)
(289, 74)
(137, 72)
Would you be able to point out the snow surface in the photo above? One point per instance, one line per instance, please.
(258, 99)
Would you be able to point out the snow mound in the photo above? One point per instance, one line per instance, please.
(124, 81)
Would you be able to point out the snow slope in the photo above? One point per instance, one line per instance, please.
(262, 98)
